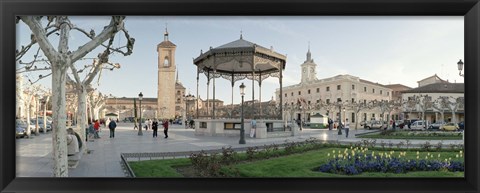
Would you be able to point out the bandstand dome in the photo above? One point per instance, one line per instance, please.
(239, 60)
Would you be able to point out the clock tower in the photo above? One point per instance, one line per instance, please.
(166, 78)
(309, 72)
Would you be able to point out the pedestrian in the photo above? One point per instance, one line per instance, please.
(253, 123)
(393, 124)
(155, 127)
(150, 122)
(112, 127)
(91, 131)
(96, 126)
(346, 127)
(146, 124)
(192, 124)
(165, 128)
(330, 124)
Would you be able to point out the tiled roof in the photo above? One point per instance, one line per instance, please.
(443, 87)
(166, 44)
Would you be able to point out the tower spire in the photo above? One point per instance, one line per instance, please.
(241, 34)
(165, 35)
(309, 55)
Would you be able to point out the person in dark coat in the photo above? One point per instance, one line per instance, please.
(330, 124)
(112, 125)
(155, 127)
(165, 128)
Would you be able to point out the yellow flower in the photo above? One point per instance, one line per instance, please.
(408, 161)
(426, 157)
(328, 154)
(438, 155)
(446, 159)
(417, 152)
(456, 156)
(417, 157)
(461, 155)
(333, 151)
(449, 158)
(461, 151)
(428, 154)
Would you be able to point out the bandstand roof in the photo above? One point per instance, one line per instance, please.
(236, 60)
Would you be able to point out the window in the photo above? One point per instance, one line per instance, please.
(328, 88)
(339, 99)
(285, 95)
(388, 93)
(318, 101)
(364, 89)
(365, 102)
(373, 90)
(353, 100)
(353, 87)
(308, 91)
(308, 102)
(166, 63)
(373, 116)
(299, 92)
(318, 90)
(328, 101)
(353, 118)
(381, 92)
(364, 116)
(292, 94)
(339, 87)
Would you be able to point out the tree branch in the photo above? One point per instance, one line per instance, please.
(41, 37)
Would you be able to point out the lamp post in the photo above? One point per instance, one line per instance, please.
(242, 129)
(460, 67)
(44, 117)
(140, 97)
(339, 116)
(188, 97)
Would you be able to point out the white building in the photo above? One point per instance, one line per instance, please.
(346, 88)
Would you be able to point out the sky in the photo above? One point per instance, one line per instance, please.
(382, 49)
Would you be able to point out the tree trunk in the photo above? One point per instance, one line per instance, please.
(45, 114)
(81, 111)
(59, 140)
(29, 109)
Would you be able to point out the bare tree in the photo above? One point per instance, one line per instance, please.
(387, 106)
(440, 105)
(60, 60)
(356, 107)
(454, 104)
(97, 102)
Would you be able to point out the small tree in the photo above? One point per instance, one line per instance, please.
(454, 104)
(440, 105)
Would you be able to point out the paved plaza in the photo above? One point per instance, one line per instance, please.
(34, 155)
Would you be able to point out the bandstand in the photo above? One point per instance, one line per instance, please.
(235, 61)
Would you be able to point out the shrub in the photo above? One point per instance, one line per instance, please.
(251, 151)
(228, 156)
(400, 144)
(439, 145)
(426, 146)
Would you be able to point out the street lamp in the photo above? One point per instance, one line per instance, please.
(242, 129)
(188, 97)
(43, 101)
(339, 117)
(460, 67)
(140, 97)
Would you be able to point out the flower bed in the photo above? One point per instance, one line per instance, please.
(355, 161)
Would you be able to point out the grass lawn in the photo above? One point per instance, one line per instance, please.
(413, 135)
(295, 165)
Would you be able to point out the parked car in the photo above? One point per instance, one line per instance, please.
(461, 126)
(375, 125)
(20, 128)
(449, 127)
(399, 123)
(419, 125)
(436, 125)
(40, 124)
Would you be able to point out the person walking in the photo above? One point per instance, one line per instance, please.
(346, 127)
(96, 126)
(150, 122)
(107, 122)
(165, 128)
(112, 127)
(155, 127)
(146, 124)
(330, 124)
(253, 123)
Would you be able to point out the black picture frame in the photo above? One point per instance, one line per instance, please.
(470, 9)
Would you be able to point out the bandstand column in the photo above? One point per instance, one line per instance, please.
(281, 91)
(208, 93)
(213, 111)
(197, 92)
(253, 92)
(260, 94)
(233, 83)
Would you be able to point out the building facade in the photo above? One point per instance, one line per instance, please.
(346, 88)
